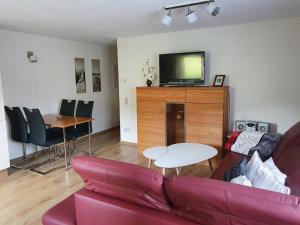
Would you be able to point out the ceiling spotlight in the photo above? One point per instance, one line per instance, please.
(167, 19)
(213, 9)
(191, 16)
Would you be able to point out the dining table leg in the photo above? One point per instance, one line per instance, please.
(65, 148)
(90, 139)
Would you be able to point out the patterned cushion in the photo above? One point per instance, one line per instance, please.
(266, 146)
(237, 170)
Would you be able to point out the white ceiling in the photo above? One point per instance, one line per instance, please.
(102, 21)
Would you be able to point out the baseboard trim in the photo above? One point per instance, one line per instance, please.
(128, 143)
(13, 161)
(3, 174)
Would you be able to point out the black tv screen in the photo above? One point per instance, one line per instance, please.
(182, 68)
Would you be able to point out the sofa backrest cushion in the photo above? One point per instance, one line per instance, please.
(96, 209)
(211, 202)
(289, 140)
(287, 158)
(123, 181)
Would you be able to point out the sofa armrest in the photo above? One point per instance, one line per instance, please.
(213, 202)
(61, 214)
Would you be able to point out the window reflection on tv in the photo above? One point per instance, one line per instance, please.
(182, 68)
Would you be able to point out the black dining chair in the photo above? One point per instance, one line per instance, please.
(84, 109)
(18, 129)
(67, 107)
(41, 136)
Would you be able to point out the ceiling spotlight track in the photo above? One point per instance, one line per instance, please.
(191, 16)
(177, 6)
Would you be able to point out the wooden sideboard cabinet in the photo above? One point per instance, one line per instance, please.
(168, 115)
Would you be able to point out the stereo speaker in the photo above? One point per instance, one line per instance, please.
(264, 127)
(240, 125)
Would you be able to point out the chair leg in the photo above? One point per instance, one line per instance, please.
(24, 151)
(75, 150)
(50, 149)
(35, 151)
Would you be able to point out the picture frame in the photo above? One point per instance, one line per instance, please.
(96, 75)
(219, 80)
(80, 75)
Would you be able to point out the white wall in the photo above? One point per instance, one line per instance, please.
(4, 153)
(43, 84)
(260, 59)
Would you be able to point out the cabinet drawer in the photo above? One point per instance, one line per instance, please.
(150, 94)
(205, 96)
(175, 95)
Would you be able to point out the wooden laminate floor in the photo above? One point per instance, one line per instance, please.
(25, 196)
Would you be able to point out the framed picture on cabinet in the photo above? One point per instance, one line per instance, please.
(219, 80)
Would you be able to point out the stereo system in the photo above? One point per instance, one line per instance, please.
(251, 126)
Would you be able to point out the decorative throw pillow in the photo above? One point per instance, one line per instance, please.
(266, 146)
(262, 177)
(277, 173)
(246, 141)
(236, 170)
(242, 180)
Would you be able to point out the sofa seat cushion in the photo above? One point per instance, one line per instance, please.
(231, 159)
(212, 202)
(61, 214)
(123, 181)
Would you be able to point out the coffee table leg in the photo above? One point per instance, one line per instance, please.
(177, 171)
(164, 171)
(149, 163)
(210, 166)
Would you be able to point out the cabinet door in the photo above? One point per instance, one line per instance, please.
(151, 120)
(204, 124)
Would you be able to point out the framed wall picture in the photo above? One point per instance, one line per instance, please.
(80, 75)
(96, 75)
(219, 80)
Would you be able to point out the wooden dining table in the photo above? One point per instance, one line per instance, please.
(63, 122)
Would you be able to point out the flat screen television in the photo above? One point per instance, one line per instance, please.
(186, 68)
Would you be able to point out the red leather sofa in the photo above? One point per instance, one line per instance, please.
(117, 193)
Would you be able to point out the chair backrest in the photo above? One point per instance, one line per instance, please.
(84, 109)
(67, 107)
(18, 125)
(37, 126)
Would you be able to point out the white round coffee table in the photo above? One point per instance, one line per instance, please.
(155, 153)
(183, 154)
